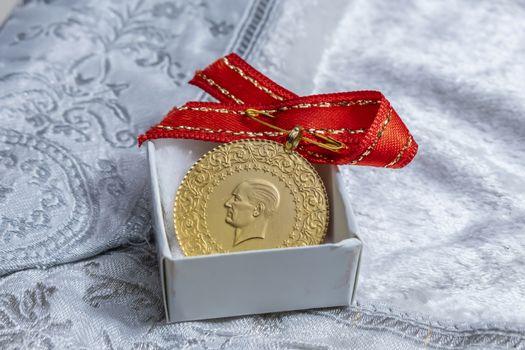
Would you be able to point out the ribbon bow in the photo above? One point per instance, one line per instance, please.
(358, 128)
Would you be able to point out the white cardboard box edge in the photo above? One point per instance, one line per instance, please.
(186, 298)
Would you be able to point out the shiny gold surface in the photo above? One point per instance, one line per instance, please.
(249, 194)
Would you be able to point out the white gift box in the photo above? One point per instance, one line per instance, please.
(249, 282)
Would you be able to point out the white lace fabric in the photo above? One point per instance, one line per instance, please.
(79, 80)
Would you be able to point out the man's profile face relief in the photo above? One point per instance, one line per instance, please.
(240, 211)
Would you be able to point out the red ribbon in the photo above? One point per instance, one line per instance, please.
(370, 129)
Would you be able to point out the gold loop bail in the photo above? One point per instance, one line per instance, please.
(292, 140)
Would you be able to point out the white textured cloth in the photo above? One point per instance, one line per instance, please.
(444, 236)
(443, 265)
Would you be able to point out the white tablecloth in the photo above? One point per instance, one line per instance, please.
(443, 264)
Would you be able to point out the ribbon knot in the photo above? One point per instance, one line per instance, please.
(363, 123)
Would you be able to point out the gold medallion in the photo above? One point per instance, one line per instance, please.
(250, 194)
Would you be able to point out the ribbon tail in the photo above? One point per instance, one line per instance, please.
(231, 79)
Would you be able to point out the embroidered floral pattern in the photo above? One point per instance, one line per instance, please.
(71, 102)
(81, 102)
(26, 322)
(144, 303)
(167, 9)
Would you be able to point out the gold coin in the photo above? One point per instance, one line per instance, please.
(250, 194)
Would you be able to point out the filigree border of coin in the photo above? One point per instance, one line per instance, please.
(192, 244)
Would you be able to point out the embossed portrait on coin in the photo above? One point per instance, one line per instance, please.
(250, 207)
